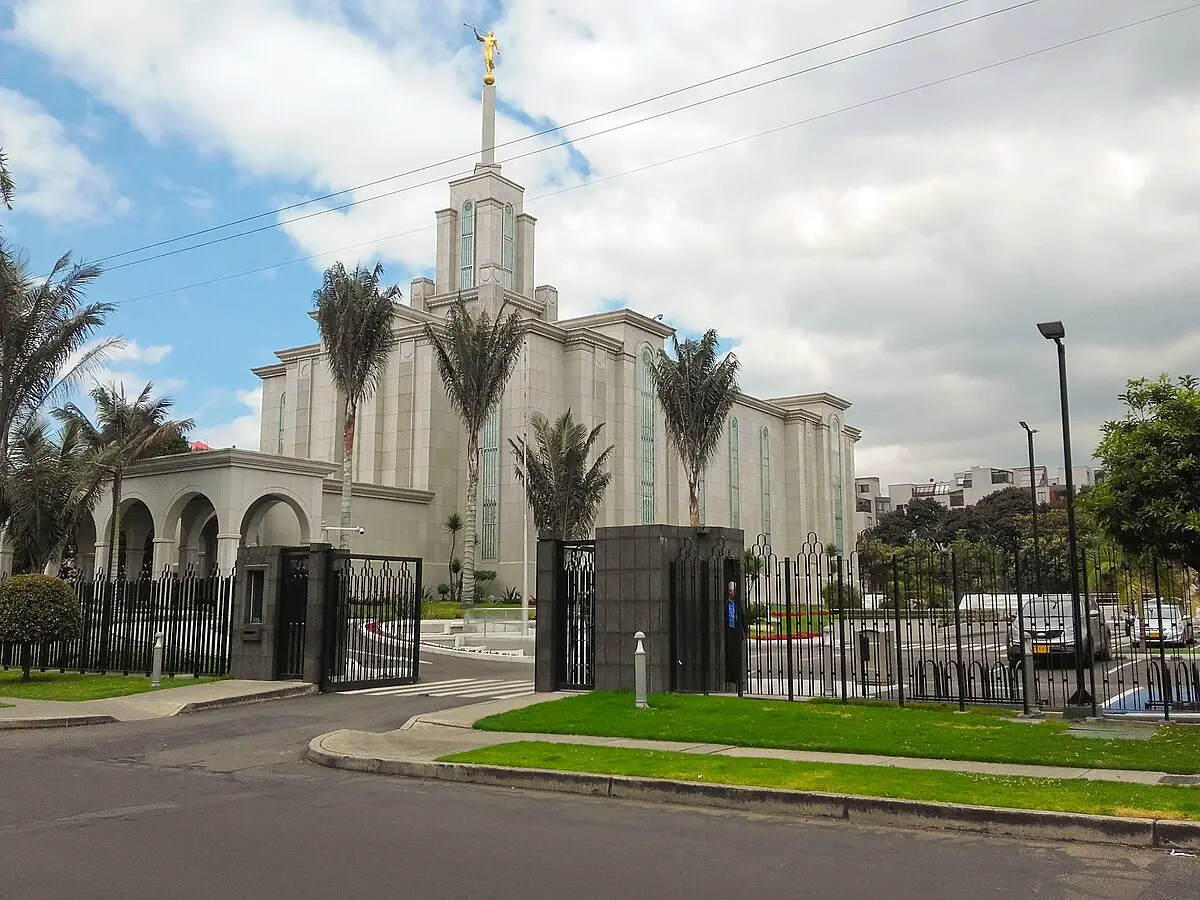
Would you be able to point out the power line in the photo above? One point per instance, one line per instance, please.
(537, 134)
(694, 153)
(563, 143)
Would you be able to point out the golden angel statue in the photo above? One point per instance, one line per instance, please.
(491, 46)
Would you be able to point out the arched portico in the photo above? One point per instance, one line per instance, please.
(266, 520)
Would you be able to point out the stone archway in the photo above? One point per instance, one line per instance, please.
(83, 558)
(191, 527)
(275, 518)
(135, 552)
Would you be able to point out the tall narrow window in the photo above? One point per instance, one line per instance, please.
(282, 410)
(506, 246)
(489, 486)
(835, 463)
(764, 446)
(735, 477)
(466, 256)
(646, 422)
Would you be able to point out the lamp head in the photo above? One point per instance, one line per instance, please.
(1024, 425)
(1052, 331)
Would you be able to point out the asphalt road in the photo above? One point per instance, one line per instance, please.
(220, 804)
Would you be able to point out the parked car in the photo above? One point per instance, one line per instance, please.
(1051, 628)
(1175, 630)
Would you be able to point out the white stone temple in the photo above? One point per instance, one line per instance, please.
(785, 468)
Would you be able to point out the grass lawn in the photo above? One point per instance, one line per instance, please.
(1103, 798)
(73, 686)
(987, 735)
(448, 609)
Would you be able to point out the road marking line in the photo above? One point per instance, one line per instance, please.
(405, 687)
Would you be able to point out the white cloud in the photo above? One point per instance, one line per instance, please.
(54, 178)
(897, 255)
(241, 432)
(134, 352)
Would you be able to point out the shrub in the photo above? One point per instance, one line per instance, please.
(850, 597)
(37, 609)
(511, 596)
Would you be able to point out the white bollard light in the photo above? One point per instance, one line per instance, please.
(639, 671)
(156, 664)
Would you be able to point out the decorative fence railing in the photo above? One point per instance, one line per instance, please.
(961, 625)
(121, 618)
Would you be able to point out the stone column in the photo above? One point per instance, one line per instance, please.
(134, 558)
(227, 553)
(487, 153)
(101, 556)
(166, 556)
(545, 674)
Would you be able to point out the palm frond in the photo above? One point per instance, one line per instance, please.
(354, 315)
(564, 489)
(7, 188)
(475, 358)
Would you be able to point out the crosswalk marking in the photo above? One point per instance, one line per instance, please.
(454, 687)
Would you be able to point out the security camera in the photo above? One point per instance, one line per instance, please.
(361, 530)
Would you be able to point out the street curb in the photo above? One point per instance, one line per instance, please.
(297, 690)
(56, 722)
(195, 706)
(1016, 823)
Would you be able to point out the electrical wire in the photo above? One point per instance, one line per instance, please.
(572, 141)
(537, 134)
(809, 120)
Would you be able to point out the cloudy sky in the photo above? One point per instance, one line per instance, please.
(897, 253)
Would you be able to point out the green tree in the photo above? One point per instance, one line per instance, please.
(475, 358)
(921, 519)
(51, 486)
(125, 432)
(563, 489)
(47, 341)
(354, 316)
(37, 609)
(453, 525)
(696, 391)
(1149, 500)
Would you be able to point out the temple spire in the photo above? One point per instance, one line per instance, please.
(487, 152)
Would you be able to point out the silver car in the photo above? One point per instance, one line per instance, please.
(1174, 630)
(1050, 625)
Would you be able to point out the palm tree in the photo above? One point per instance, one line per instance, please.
(475, 357)
(563, 490)
(51, 487)
(696, 390)
(453, 525)
(124, 433)
(46, 341)
(355, 319)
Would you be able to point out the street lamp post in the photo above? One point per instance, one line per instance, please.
(1054, 331)
(1037, 552)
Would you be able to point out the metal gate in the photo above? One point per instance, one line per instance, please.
(373, 622)
(293, 610)
(575, 614)
(706, 622)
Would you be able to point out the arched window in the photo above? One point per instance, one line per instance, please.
(735, 476)
(764, 447)
(466, 255)
(506, 246)
(489, 486)
(835, 463)
(282, 410)
(646, 421)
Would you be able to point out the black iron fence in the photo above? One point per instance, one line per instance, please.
(971, 625)
(373, 622)
(121, 618)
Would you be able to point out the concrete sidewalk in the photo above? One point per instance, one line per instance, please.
(429, 736)
(149, 705)
(412, 751)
